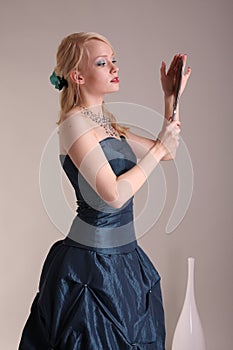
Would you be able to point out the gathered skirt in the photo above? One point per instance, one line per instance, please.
(92, 299)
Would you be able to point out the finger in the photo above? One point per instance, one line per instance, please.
(174, 62)
(171, 70)
(177, 63)
(188, 72)
(184, 57)
(163, 69)
(170, 120)
(176, 126)
(175, 122)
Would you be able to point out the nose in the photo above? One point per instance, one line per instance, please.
(114, 68)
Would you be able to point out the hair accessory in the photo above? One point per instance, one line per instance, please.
(58, 82)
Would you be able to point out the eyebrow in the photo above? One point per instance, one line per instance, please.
(105, 56)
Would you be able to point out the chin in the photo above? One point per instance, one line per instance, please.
(113, 89)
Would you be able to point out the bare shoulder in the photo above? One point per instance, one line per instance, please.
(74, 127)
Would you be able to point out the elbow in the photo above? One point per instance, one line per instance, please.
(117, 195)
(123, 192)
(116, 202)
(111, 198)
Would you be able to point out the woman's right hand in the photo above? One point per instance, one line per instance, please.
(169, 138)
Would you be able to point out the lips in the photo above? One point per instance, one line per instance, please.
(115, 80)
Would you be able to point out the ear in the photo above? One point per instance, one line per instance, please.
(77, 77)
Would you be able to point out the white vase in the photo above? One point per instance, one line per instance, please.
(189, 333)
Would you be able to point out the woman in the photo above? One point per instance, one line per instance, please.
(98, 289)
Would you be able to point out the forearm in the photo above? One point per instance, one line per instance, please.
(168, 107)
(168, 111)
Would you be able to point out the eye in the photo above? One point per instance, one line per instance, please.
(114, 60)
(101, 63)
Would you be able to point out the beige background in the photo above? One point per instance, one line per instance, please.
(143, 33)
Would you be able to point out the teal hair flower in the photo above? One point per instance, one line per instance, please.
(58, 82)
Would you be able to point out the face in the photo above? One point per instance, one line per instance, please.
(98, 71)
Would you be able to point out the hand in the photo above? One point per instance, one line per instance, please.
(169, 138)
(168, 79)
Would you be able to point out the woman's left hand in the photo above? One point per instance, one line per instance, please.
(168, 79)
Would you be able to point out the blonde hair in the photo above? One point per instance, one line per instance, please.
(69, 55)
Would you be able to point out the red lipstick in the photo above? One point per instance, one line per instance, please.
(115, 80)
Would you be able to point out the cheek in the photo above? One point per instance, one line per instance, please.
(99, 76)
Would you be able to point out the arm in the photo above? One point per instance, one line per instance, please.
(79, 140)
(168, 109)
(141, 145)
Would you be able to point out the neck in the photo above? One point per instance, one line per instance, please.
(98, 109)
(90, 101)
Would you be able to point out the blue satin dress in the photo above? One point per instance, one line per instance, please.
(98, 289)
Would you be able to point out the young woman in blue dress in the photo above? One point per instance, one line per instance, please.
(98, 289)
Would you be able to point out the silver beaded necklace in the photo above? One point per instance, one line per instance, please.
(100, 119)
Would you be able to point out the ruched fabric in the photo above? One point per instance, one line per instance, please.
(102, 295)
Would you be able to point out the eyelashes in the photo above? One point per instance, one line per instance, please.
(102, 63)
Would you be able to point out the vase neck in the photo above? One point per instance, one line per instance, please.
(190, 281)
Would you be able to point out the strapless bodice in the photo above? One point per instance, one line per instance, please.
(94, 215)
